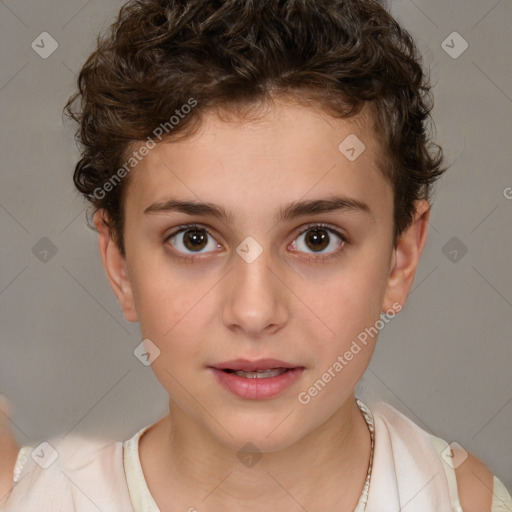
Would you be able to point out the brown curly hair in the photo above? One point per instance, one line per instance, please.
(160, 54)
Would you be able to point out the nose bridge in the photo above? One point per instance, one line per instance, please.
(255, 300)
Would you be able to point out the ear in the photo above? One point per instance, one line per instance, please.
(406, 256)
(115, 266)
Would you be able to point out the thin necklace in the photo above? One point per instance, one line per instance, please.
(368, 418)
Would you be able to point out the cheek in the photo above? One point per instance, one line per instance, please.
(176, 308)
(166, 300)
(172, 316)
(166, 316)
(350, 307)
(351, 300)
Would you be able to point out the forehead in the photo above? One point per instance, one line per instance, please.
(281, 153)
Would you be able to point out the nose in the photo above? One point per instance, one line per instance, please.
(256, 298)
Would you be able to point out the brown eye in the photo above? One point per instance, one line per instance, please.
(192, 239)
(316, 239)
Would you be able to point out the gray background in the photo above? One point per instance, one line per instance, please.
(66, 360)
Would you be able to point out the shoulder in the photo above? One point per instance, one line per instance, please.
(475, 485)
(9, 450)
(70, 473)
(471, 479)
(7, 463)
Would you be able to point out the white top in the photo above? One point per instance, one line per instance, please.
(409, 468)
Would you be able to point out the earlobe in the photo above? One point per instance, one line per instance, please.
(115, 267)
(406, 257)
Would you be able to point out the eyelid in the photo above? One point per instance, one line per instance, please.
(336, 231)
(186, 227)
(323, 257)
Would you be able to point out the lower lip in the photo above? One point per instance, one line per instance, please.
(257, 389)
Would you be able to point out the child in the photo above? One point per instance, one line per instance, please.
(260, 174)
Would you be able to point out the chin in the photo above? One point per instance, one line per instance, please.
(267, 435)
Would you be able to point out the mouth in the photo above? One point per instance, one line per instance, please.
(255, 369)
(258, 379)
(259, 374)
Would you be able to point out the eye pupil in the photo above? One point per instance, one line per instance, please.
(195, 239)
(317, 239)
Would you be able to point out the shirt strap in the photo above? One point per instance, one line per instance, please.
(141, 498)
(444, 451)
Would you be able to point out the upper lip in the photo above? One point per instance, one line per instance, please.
(251, 366)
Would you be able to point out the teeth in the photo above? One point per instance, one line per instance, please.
(261, 374)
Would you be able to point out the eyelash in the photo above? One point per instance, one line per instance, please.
(314, 259)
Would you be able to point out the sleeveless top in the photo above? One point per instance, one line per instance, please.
(410, 467)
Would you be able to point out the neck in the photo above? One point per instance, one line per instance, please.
(328, 466)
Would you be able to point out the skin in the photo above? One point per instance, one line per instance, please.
(284, 305)
(281, 306)
(475, 485)
(8, 451)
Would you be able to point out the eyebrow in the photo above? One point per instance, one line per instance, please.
(291, 211)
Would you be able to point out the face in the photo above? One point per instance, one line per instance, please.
(295, 269)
